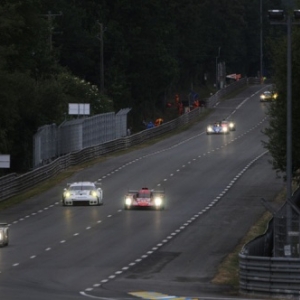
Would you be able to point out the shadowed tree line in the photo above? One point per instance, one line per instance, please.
(50, 54)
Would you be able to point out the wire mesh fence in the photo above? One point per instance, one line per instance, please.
(52, 141)
(287, 231)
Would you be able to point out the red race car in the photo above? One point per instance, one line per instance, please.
(144, 198)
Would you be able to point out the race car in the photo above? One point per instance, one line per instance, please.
(144, 198)
(217, 128)
(275, 95)
(3, 234)
(229, 124)
(268, 96)
(82, 193)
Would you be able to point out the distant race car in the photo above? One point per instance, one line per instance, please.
(217, 128)
(3, 234)
(144, 198)
(229, 124)
(82, 193)
(268, 96)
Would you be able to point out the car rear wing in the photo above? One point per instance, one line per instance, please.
(152, 191)
(158, 192)
(132, 192)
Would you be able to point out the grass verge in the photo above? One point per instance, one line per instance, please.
(228, 271)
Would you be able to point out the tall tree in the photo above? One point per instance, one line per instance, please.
(277, 130)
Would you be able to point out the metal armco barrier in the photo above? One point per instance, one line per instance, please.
(264, 270)
(270, 276)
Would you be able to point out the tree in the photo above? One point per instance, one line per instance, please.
(277, 129)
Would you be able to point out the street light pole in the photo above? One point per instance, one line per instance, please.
(217, 73)
(261, 45)
(277, 17)
(289, 109)
(101, 58)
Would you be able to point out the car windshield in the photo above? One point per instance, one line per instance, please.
(81, 188)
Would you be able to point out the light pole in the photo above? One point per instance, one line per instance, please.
(50, 16)
(261, 45)
(217, 73)
(101, 58)
(278, 17)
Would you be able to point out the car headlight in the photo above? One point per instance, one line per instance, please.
(1, 235)
(262, 97)
(158, 201)
(128, 201)
(231, 125)
(209, 128)
(93, 193)
(225, 129)
(67, 194)
(275, 95)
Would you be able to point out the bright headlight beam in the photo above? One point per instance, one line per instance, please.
(158, 201)
(128, 201)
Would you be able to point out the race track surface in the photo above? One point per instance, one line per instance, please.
(213, 186)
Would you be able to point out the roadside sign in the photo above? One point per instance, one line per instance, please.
(4, 161)
(79, 108)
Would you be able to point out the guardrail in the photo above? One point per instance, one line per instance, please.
(269, 275)
(14, 184)
(261, 273)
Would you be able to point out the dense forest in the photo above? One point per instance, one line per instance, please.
(117, 54)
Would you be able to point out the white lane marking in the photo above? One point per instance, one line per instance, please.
(187, 223)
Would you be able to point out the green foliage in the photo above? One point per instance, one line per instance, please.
(50, 56)
(76, 90)
(277, 130)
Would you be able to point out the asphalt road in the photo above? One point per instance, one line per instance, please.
(213, 186)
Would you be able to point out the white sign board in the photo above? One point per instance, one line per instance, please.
(4, 161)
(79, 108)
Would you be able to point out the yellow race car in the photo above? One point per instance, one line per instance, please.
(268, 96)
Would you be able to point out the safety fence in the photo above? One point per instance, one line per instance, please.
(270, 264)
(13, 184)
(52, 141)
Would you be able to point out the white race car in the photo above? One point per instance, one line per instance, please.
(82, 193)
(3, 234)
(217, 128)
